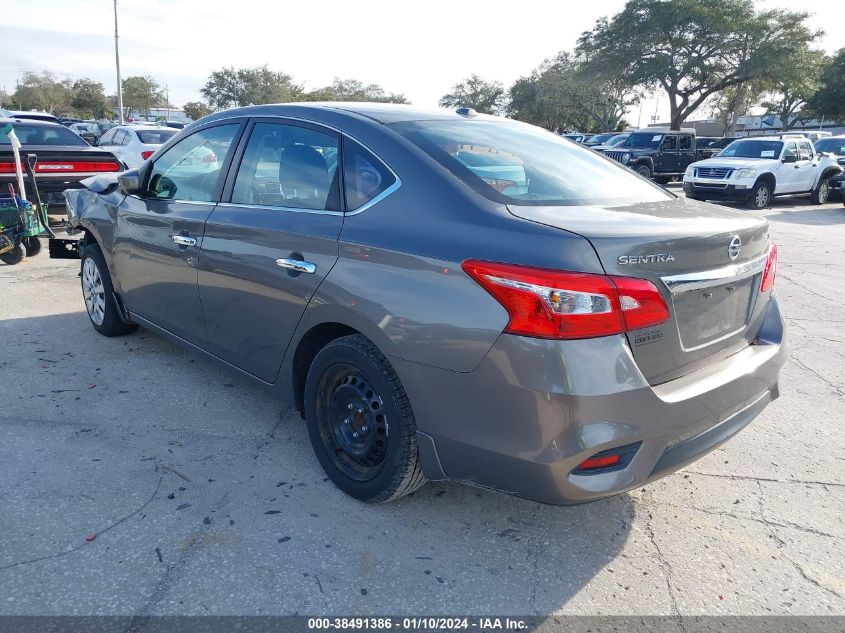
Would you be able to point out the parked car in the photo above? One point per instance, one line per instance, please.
(753, 170)
(64, 159)
(576, 334)
(133, 144)
(85, 131)
(578, 138)
(817, 136)
(710, 147)
(177, 125)
(834, 146)
(613, 141)
(599, 139)
(658, 153)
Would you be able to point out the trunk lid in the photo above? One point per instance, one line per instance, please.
(685, 248)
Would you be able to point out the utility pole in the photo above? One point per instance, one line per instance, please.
(117, 66)
(167, 98)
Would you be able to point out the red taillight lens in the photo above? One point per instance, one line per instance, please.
(63, 167)
(210, 158)
(146, 154)
(498, 184)
(566, 305)
(600, 462)
(769, 271)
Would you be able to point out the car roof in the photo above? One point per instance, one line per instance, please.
(146, 128)
(379, 112)
(15, 121)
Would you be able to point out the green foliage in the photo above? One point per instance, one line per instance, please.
(230, 87)
(43, 91)
(88, 99)
(196, 109)
(487, 97)
(829, 101)
(731, 103)
(794, 85)
(569, 93)
(142, 94)
(693, 49)
(353, 90)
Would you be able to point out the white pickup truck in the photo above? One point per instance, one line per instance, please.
(753, 170)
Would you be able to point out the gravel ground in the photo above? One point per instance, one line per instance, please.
(135, 479)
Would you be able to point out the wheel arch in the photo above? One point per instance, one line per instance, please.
(769, 179)
(829, 172)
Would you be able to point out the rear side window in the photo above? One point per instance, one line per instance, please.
(805, 150)
(365, 176)
(686, 142)
(289, 166)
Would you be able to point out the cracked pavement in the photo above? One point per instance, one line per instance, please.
(135, 479)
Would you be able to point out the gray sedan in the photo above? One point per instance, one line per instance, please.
(443, 295)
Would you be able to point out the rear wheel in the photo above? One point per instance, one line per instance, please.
(33, 246)
(12, 257)
(761, 196)
(643, 170)
(98, 293)
(821, 193)
(360, 421)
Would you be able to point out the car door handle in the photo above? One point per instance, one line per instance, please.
(184, 240)
(297, 265)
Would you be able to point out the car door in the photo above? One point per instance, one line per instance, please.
(159, 233)
(686, 153)
(806, 167)
(667, 159)
(271, 242)
(787, 180)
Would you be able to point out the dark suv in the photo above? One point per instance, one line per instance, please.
(657, 153)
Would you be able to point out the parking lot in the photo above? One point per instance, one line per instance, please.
(135, 479)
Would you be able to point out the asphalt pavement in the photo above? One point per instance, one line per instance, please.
(137, 479)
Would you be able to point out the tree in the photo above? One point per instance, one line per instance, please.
(693, 49)
(141, 94)
(196, 109)
(42, 91)
(790, 89)
(354, 90)
(88, 99)
(829, 101)
(568, 93)
(733, 102)
(229, 87)
(488, 97)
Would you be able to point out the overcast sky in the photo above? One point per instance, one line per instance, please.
(420, 51)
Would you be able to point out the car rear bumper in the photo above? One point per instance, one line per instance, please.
(717, 190)
(534, 410)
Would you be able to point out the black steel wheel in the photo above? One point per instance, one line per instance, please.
(360, 421)
(32, 245)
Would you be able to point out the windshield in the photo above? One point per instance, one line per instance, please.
(752, 149)
(643, 139)
(155, 137)
(599, 138)
(29, 134)
(616, 140)
(832, 145)
(516, 163)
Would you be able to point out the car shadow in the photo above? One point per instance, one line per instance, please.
(156, 483)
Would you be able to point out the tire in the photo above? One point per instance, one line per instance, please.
(14, 256)
(761, 196)
(643, 170)
(821, 193)
(662, 180)
(360, 421)
(32, 245)
(98, 294)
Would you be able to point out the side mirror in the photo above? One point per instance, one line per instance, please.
(130, 182)
(790, 158)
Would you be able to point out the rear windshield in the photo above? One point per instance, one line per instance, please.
(29, 134)
(155, 137)
(641, 139)
(832, 145)
(752, 149)
(516, 163)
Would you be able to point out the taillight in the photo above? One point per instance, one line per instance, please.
(64, 167)
(769, 270)
(211, 157)
(498, 184)
(146, 154)
(556, 304)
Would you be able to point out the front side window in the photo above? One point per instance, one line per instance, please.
(106, 139)
(365, 176)
(791, 150)
(191, 168)
(670, 143)
(289, 166)
(805, 150)
(516, 163)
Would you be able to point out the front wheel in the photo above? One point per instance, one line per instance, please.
(98, 293)
(821, 193)
(360, 421)
(761, 196)
(644, 171)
